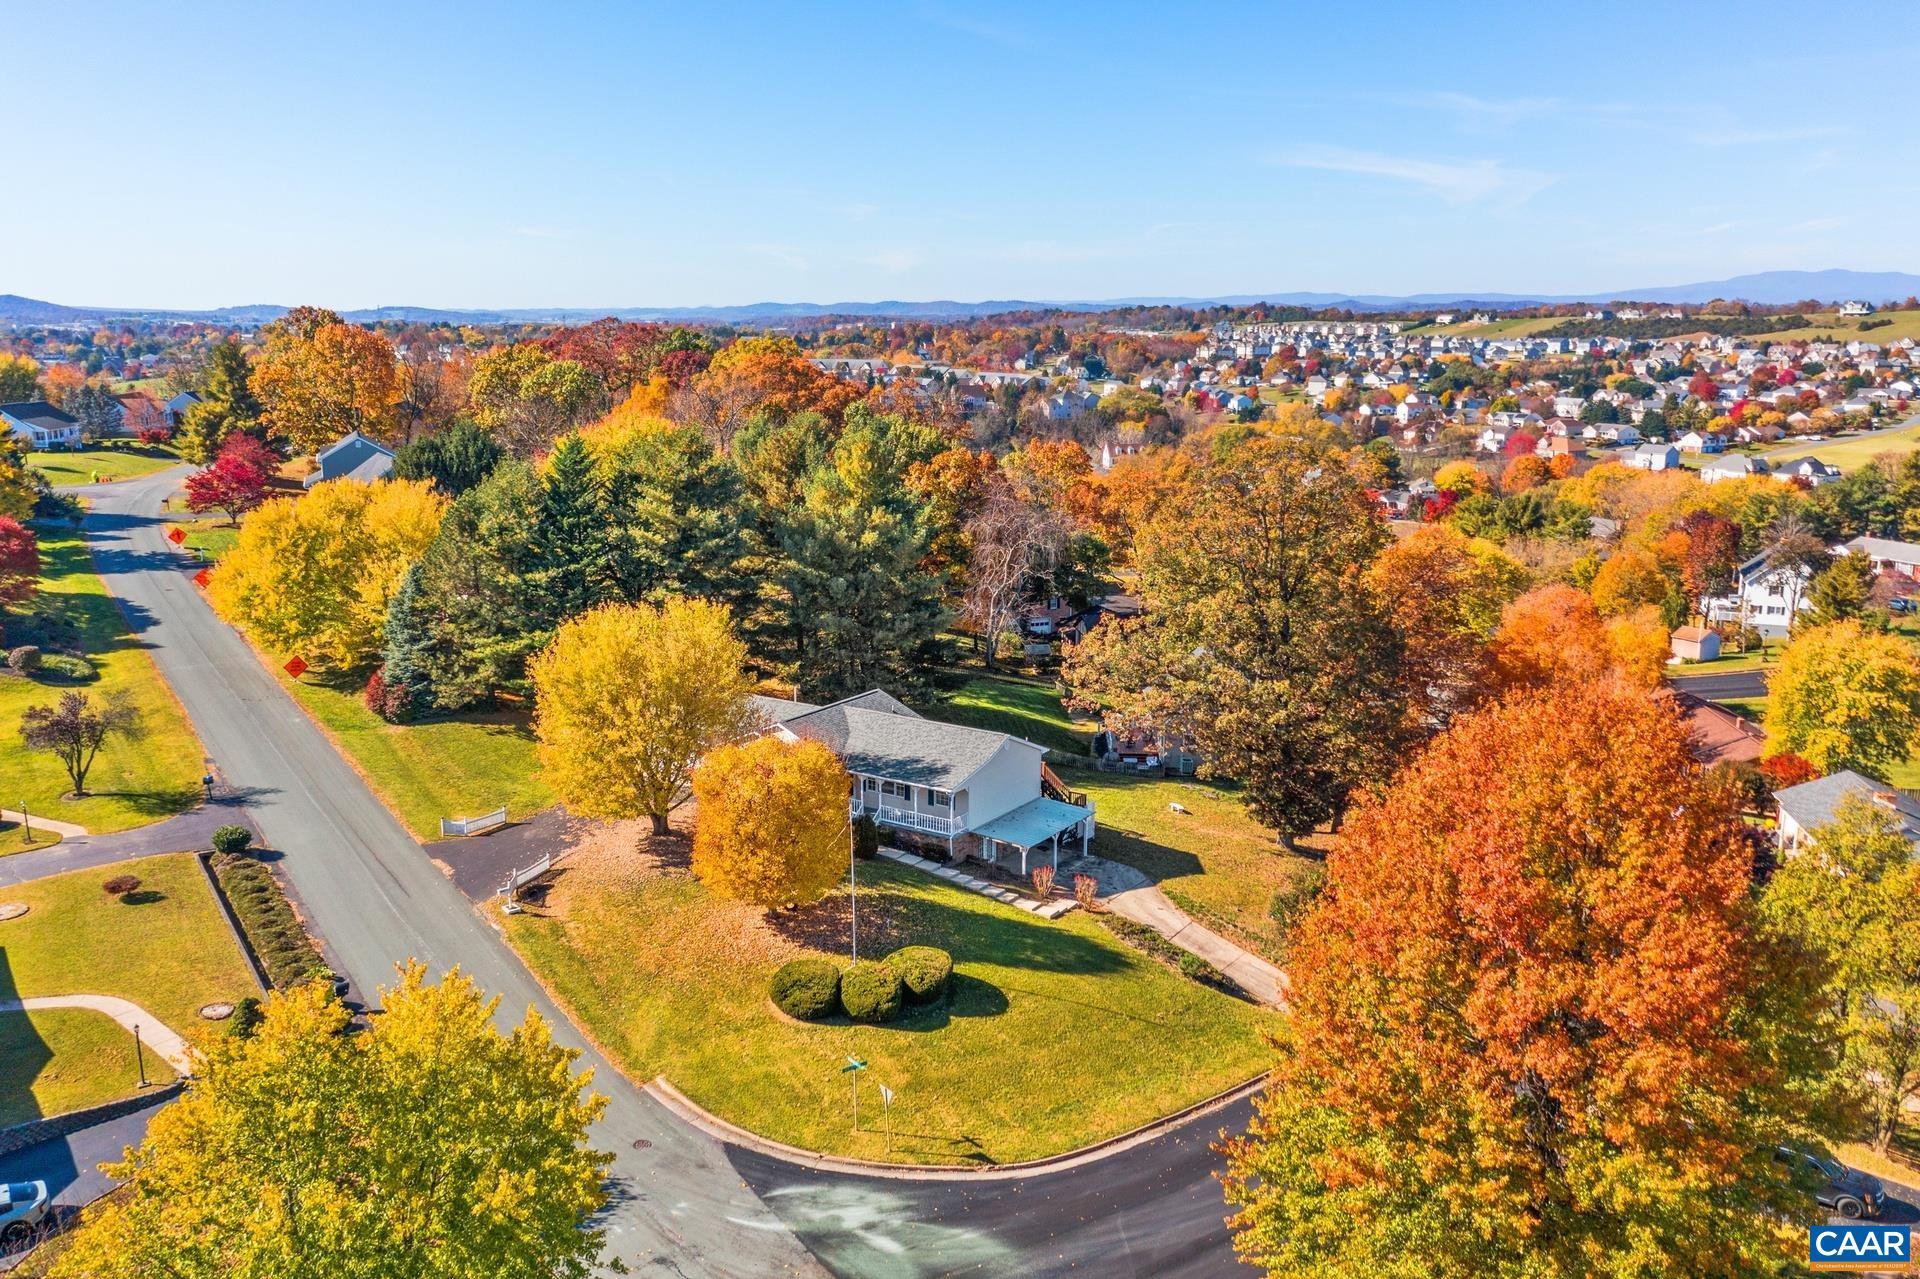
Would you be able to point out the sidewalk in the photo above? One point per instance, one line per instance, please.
(1149, 906)
(191, 831)
(65, 830)
(154, 1033)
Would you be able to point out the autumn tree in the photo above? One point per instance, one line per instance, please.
(19, 563)
(1536, 1031)
(1524, 472)
(1839, 592)
(1712, 554)
(772, 825)
(431, 1143)
(1844, 697)
(1444, 593)
(1260, 643)
(528, 399)
(1549, 635)
(767, 375)
(236, 482)
(19, 378)
(74, 729)
(1851, 896)
(629, 697)
(319, 378)
(313, 578)
(227, 405)
(1463, 478)
(1010, 542)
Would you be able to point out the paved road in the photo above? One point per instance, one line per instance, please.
(679, 1207)
(71, 1165)
(1715, 688)
(684, 1204)
(189, 832)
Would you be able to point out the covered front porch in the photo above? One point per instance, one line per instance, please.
(1039, 825)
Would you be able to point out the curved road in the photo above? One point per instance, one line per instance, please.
(682, 1204)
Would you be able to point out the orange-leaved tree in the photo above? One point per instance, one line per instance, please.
(772, 826)
(1537, 1030)
(320, 377)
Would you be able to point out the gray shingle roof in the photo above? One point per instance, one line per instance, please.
(1813, 803)
(904, 748)
(39, 413)
(778, 710)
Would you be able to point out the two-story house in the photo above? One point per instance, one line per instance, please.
(969, 791)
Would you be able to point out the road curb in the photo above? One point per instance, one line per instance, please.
(691, 1112)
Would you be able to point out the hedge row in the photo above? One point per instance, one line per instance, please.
(1140, 937)
(813, 988)
(267, 919)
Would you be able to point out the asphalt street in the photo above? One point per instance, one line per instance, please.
(682, 1203)
(1714, 688)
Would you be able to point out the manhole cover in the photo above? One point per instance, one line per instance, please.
(13, 910)
(216, 1012)
(641, 1143)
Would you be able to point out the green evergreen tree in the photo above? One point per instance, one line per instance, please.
(454, 460)
(227, 404)
(1839, 592)
(575, 568)
(677, 519)
(404, 683)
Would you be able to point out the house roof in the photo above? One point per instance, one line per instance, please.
(1034, 822)
(1691, 634)
(899, 744)
(1814, 803)
(778, 710)
(39, 413)
(1715, 734)
(1883, 548)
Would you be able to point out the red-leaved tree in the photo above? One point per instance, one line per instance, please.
(1538, 1028)
(237, 480)
(19, 562)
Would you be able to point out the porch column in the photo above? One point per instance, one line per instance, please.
(1023, 859)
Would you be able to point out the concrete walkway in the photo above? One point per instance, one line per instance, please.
(1149, 906)
(65, 830)
(985, 887)
(153, 1032)
(189, 832)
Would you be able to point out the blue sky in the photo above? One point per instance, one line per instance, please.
(557, 154)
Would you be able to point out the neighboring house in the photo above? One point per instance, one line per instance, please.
(39, 425)
(1702, 442)
(352, 457)
(177, 407)
(1696, 644)
(1810, 469)
(1715, 735)
(1731, 466)
(1653, 457)
(1764, 597)
(1887, 555)
(1856, 308)
(975, 792)
(1804, 808)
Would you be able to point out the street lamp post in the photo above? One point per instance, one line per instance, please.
(140, 1057)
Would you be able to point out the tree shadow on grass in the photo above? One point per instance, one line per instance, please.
(152, 803)
(142, 897)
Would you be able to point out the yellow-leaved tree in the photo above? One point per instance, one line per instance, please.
(320, 377)
(312, 577)
(431, 1144)
(772, 827)
(628, 699)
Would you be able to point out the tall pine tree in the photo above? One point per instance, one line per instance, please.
(574, 569)
(676, 526)
(402, 689)
(227, 404)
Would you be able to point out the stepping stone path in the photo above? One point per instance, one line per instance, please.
(986, 888)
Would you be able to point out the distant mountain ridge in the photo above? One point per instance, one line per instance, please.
(1766, 288)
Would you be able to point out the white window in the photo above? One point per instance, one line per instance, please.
(938, 799)
(867, 783)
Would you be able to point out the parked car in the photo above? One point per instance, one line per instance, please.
(23, 1206)
(1904, 604)
(1844, 1191)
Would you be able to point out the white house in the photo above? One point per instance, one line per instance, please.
(975, 792)
(1702, 442)
(39, 425)
(177, 407)
(1732, 466)
(1811, 469)
(1653, 457)
(1804, 808)
(1764, 597)
(1887, 555)
(1856, 308)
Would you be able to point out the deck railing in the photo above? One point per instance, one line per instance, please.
(906, 818)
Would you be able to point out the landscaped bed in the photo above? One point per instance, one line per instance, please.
(53, 1060)
(1054, 1034)
(164, 945)
(268, 920)
(132, 782)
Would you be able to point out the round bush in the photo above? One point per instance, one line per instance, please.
(806, 988)
(871, 992)
(24, 659)
(924, 971)
(230, 840)
(66, 666)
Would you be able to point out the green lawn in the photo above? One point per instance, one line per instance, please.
(211, 541)
(1852, 454)
(132, 782)
(165, 947)
(84, 466)
(53, 1060)
(1026, 708)
(1057, 1034)
(454, 767)
(1763, 658)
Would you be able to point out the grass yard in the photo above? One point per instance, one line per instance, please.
(164, 947)
(82, 466)
(1830, 324)
(13, 838)
(1057, 1034)
(1026, 708)
(210, 541)
(453, 767)
(53, 1060)
(1854, 453)
(132, 782)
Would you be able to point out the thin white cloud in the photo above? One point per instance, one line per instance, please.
(786, 254)
(994, 32)
(1829, 223)
(894, 261)
(1764, 137)
(1459, 182)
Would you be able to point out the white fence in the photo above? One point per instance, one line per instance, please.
(473, 825)
(519, 879)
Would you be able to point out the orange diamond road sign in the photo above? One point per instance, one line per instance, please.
(295, 667)
(202, 578)
(177, 536)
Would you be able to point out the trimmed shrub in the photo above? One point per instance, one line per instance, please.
(925, 971)
(866, 837)
(66, 666)
(871, 992)
(24, 659)
(246, 1018)
(232, 840)
(120, 885)
(806, 988)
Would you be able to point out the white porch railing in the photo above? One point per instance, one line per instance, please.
(906, 818)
